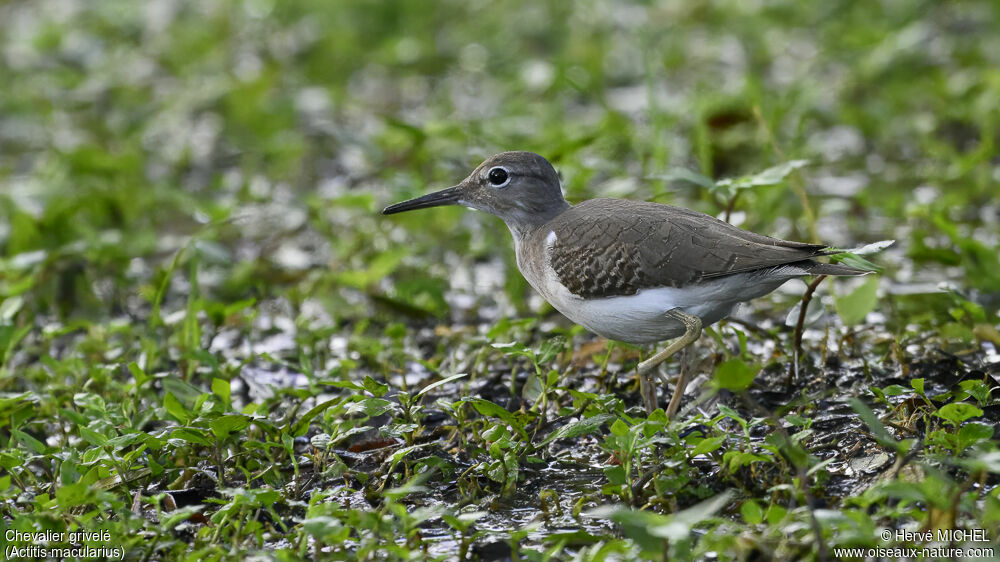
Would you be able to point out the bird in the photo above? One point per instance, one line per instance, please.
(631, 271)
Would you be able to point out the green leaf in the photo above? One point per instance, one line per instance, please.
(350, 385)
(577, 428)
(401, 454)
(376, 388)
(11, 459)
(186, 392)
(878, 431)
(532, 389)
(224, 426)
(958, 412)
(550, 348)
(649, 530)
(972, 433)
(737, 459)
(222, 389)
(9, 338)
(615, 474)
(92, 403)
(299, 427)
(619, 428)
(895, 390)
(9, 308)
(775, 514)
(140, 376)
(918, 385)
(489, 409)
(175, 408)
(444, 381)
(708, 445)
(191, 435)
(496, 432)
(856, 261)
(736, 375)
(327, 529)
(854, 306)
(681, 523)
(977, 389)
(30, 442)
(730, 413)
(95, 438)
(371, 407)
(771, 176)
(752, 513)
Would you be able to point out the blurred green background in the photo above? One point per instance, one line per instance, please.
(191, 190)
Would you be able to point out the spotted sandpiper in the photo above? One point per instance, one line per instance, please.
(632, 271)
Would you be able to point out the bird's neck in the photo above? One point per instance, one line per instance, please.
(525, 223)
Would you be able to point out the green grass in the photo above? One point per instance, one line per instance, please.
(212, 346)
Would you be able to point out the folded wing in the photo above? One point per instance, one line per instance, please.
(613, 247)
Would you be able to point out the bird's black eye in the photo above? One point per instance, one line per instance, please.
(498, 176)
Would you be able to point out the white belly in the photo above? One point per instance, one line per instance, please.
(641, 318)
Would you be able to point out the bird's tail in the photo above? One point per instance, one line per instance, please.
(816, 268)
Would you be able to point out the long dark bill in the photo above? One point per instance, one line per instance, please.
(448, 196)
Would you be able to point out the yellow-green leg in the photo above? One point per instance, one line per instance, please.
(692, 331)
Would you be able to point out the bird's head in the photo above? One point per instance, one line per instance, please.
(521, 188)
